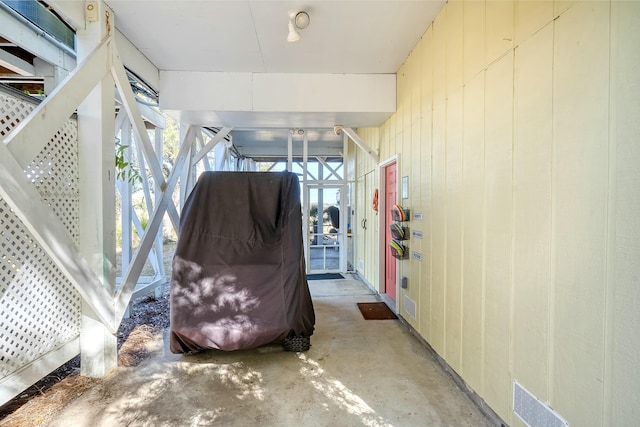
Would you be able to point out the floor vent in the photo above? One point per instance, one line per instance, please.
(532, 411)
(410, 306)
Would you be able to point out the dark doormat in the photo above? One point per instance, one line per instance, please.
(376, 311)
(325, 276)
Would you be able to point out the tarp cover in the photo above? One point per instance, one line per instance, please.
(238, 277)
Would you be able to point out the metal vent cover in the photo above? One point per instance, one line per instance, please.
(534, 412)
(410, 306)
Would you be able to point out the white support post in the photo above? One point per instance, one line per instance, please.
(125, 197)
(184, 173)
(290, 152)
(146, 189)
(206, 162)
(96, 148)
(159, 143)
(305, 199)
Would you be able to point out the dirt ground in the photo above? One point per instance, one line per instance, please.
(39, 404)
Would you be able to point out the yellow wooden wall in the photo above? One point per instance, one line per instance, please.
(518, 125)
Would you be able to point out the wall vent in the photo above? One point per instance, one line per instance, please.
(410, 306)
(361, 266)
(534, 412)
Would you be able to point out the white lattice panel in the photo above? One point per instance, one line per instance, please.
(54, 172)
(40, 310)
(12, 111)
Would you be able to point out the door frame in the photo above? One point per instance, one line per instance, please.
(342, 233)
(382, 178)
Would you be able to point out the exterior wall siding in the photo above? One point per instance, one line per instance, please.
(517, 129)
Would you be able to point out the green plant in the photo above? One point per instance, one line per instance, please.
(124, 169)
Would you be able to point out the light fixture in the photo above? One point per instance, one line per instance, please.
(298, 20)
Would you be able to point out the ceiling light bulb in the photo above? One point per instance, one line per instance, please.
(302, 20)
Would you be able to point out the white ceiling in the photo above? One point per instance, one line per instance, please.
(344, 37)
(250, 36)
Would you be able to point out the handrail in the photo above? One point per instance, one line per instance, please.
(37, 30)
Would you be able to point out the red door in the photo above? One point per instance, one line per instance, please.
(390, 261)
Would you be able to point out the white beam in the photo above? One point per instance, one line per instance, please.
(357, 140)
(278, 92)
(32, 134)
(15, 64)
(280, 150)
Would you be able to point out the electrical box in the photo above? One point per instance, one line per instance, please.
(91, 11)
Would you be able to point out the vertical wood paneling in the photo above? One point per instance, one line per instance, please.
(424, 303)
(532, 160)
(454, 45)
(498, 202)
(414, 274)
(531, 16)
(426, 73)
(440, 56)
(499, 29)
(405, 80)
(416, 84)
(623, 357)
(530, 200)
(454, 229)
(561, 6)
(473, 39)
(473, 238)
(580, 127)
(438, 229)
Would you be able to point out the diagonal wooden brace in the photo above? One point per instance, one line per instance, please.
(133, 272)
(140, 131)
(32, 134)
(357, 140)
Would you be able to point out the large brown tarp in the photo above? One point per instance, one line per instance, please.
(238, 277)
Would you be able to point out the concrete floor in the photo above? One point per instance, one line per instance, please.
(357, 373)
